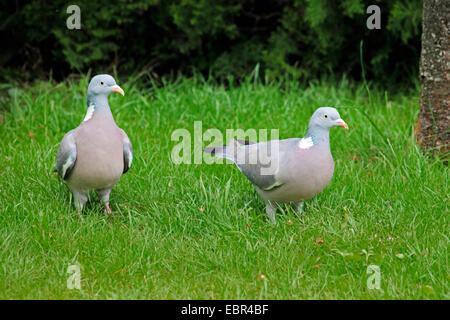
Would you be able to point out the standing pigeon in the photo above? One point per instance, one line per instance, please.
(290, 170)
(94, 155)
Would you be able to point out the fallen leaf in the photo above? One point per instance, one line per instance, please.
(316, 265)
(31, 134)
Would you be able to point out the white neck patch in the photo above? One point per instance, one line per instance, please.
(89, 113)
(305, 143)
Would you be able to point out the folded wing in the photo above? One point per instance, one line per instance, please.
(127, 152)
(67, 155)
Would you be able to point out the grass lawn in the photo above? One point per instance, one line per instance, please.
(200, 231)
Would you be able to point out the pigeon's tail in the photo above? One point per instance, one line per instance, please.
(245, 142)
(220, 151)
(227, 152)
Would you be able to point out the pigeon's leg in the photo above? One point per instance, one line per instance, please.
(271, 210)
(300, 208)
(104, 196)
(80, 199)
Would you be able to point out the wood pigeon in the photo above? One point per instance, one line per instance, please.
(291, 170)
(94, 155)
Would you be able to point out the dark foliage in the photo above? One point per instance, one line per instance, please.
(302, 39)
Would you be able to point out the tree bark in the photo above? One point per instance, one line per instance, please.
(433, 124)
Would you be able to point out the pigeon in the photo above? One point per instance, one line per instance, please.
(287, 171)
(94, 155)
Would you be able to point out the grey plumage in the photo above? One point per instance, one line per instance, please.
(94, 155)
(290, 170)
(67, 154)
(127, 152)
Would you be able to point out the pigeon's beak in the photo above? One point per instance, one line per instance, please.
(117, 89)
(341, 123)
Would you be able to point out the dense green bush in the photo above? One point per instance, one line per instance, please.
(302, 39)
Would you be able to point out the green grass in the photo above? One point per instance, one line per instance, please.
(200, 231)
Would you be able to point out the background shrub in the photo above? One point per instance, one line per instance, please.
(300, 39)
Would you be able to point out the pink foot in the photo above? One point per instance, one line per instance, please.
(79, 216)
(108, 209)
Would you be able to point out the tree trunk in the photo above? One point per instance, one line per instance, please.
(433, 124)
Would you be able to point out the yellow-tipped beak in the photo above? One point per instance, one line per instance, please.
(118, 89)
(341, 123)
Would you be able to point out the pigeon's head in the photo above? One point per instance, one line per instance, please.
(103, 84)
(326, 118)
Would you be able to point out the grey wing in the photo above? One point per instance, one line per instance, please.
(263, 181)
(127, 152)
(67, 155)
(261, 162)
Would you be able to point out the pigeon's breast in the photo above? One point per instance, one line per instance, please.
(99, 161)
(310, 171)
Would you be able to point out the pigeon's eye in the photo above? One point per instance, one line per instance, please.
(326, 116)
(101, 82)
